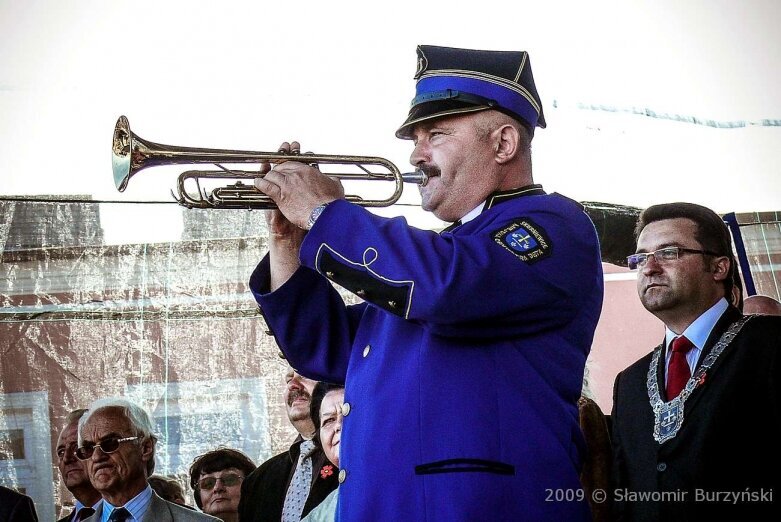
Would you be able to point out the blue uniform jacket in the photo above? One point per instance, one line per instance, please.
(463, 365)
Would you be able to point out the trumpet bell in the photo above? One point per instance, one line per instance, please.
(121, 152)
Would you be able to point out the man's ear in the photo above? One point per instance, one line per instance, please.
(721, 268)
(506, 143)
(147, 449)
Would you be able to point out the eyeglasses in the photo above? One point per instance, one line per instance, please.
(663, 254)
(106, 446)
(228, 480)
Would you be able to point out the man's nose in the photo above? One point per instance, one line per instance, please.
(98, 454)
(295, 382)
(420, 154)
(651, 265)
(70, 456)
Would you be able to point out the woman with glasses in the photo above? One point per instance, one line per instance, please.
(216, 479)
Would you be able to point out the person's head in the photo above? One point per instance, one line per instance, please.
(762, 305)
(167, 489)
(72, 470)
(117, 447)
(297, 397)
(472, 121)
(326, 411)
(679, 285)
(216, 479)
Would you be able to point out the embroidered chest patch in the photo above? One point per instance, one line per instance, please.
(524, 239)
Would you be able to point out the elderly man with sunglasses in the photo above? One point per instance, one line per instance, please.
(117, 447)
(696, 422)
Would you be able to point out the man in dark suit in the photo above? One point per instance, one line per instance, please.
(267, 494)
(15, 507)
(74, 476)
(117, 446)
(696, 423)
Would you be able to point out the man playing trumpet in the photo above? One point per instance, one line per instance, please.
(464, 363)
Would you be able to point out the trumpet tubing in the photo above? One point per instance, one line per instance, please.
(131, 154)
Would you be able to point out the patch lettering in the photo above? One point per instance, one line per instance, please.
(525, 240)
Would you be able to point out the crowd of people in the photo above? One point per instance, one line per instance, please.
(455, 384)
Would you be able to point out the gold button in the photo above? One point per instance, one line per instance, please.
(392, 304)
(329, 275)
(367, 350)
(346, 409)
(281, 355)
(360, 293)
(342, 475)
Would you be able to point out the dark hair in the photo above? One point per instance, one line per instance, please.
(712, 233)
(318, 394)
(74, 416)
(217, 460)
(167, 488)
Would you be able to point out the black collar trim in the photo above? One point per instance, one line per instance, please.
(506, 195)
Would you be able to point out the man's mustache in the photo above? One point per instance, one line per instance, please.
(297, 394)
(430, 170)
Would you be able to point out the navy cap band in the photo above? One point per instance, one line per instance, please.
(499, 95)
(450, 94)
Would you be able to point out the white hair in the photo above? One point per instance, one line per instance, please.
(139, 418)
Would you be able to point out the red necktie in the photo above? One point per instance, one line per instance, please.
(678, 372)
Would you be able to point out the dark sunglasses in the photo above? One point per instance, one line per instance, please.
(228, 480)
(106, 446)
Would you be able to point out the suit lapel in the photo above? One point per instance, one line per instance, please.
(661, 371)
(158, 511)
(727, 318)
(95, 517)
(325, 480)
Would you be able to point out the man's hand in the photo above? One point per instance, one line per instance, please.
(297, 189)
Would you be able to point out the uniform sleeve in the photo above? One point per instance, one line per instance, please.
(309, 320)
(462, 284)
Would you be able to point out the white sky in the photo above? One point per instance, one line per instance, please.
(338, 77)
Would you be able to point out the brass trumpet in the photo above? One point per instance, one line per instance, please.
(131, 154)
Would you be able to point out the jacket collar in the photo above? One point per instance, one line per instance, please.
(501, 196)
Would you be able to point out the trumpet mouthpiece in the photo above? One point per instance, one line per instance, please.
(418, 177)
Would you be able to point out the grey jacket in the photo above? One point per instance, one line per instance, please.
(163, 511)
